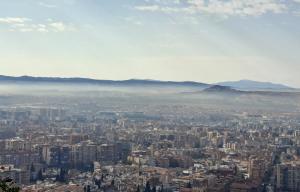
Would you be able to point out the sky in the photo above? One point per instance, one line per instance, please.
(181, 40)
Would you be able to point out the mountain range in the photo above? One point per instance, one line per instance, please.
(243, 85)
(248, 85)
(130, 82)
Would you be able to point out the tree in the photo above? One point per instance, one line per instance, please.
(7, 185)
(40, 175)
(138, 189)
(189, 185)
(32, 168)
(87, 188)
(91, 167)
(153, 189)
(162, 188)
(112, 183)
(148, 187)
(61, 176)
(98, 183)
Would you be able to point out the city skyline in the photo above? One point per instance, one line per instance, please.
(195, 40)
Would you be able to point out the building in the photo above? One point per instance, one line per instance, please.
(256, 168)
(17, 175)
(288, 176)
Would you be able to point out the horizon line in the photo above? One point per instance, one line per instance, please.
(147, 79)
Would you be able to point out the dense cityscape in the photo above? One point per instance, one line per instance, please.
(137, 143)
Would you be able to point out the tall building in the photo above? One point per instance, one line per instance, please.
(288, 176)
(256, 168)
(17, 175)
(107, 153)
(83, 154)
(55, 155)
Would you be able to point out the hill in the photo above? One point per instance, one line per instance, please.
(248, 85)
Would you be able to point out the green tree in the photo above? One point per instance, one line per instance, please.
(7, 185)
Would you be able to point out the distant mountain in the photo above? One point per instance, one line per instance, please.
(130, 82)
(248, 85)
(221, 89)
(234, 86)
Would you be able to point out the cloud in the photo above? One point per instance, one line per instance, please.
(43, 4)
(60, 27)
(14, 20)
(148, 8)
(27, 25)
(216, 7)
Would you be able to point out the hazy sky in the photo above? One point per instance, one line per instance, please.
(200, 40)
